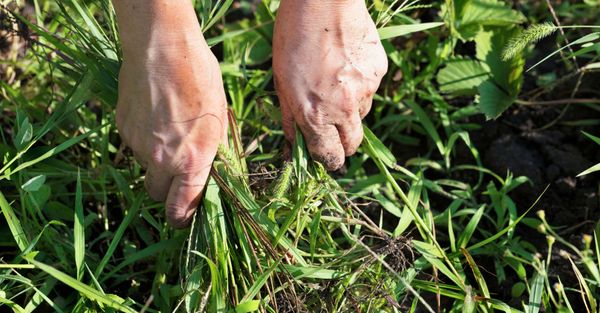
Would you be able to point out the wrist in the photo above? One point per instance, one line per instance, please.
(317, 12)
(157, 24)
(328, 6)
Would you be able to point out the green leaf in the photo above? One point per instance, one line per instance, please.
(111, 301)
(477, 274)
(116, 239)
(78, 229)
(590, 170)
(433, 256)
(13, 224)
(24, 135)
(596, 167)
(475, 14)
(493, 100)
(248, 306)
(462, 76)
(428, 125)
(535, 295)
(382, 152)
(592, 137)
(469, 305)
(518, 289)
(506, 74)
(585, 39)
(34, 184)
(584, 288)
(466, 235)
(402, 30)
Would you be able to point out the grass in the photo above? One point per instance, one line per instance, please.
(432, 231)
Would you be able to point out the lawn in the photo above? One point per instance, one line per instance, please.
(474, 190)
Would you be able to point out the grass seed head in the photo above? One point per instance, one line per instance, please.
(531, 35)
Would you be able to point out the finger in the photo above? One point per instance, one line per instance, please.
(365, 107)
(287, 123)
(184, 196)
(141, 160)
(351, 134)
(225, 131)
(324, 145)
(157, 183)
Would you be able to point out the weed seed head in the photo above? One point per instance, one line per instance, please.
(587, 240)
(541, 214)
(542, 229)
(557, 287)
(563, 254)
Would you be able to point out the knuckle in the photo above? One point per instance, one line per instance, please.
(194, 159)
(347, 107)
(157, 154)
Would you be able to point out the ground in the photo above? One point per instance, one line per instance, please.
(443, 206)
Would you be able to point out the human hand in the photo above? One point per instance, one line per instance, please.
(172, 113)
(328, 62)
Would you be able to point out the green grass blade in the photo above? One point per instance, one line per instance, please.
(54, 151)
(507, 228)
(427, 124)
(79, 230)
(477, 273)
(13, 224)
(146, 253)
(42, 294)
(83, 289)
(535, 294)
(586, 293)
(114, 243)
(402, 30)
(466, 235)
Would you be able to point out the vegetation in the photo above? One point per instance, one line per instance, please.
(418, 220)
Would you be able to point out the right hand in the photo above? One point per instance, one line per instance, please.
(172, 113)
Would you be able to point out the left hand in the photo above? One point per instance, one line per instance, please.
(328, 62)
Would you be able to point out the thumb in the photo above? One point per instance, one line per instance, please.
(184, 196)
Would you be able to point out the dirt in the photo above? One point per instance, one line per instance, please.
(521, 142)
(548, 157)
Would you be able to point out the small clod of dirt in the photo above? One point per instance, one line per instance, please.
(398, 253)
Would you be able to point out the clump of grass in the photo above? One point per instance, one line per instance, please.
(274, 250)
(531, 35)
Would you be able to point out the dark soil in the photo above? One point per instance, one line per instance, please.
(521, 142)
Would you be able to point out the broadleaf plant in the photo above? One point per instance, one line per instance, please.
(495, 82)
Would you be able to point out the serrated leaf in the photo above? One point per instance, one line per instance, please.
(506, 74)
(493, 100)
(462, 76)
(506, 77)
(475, 14)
